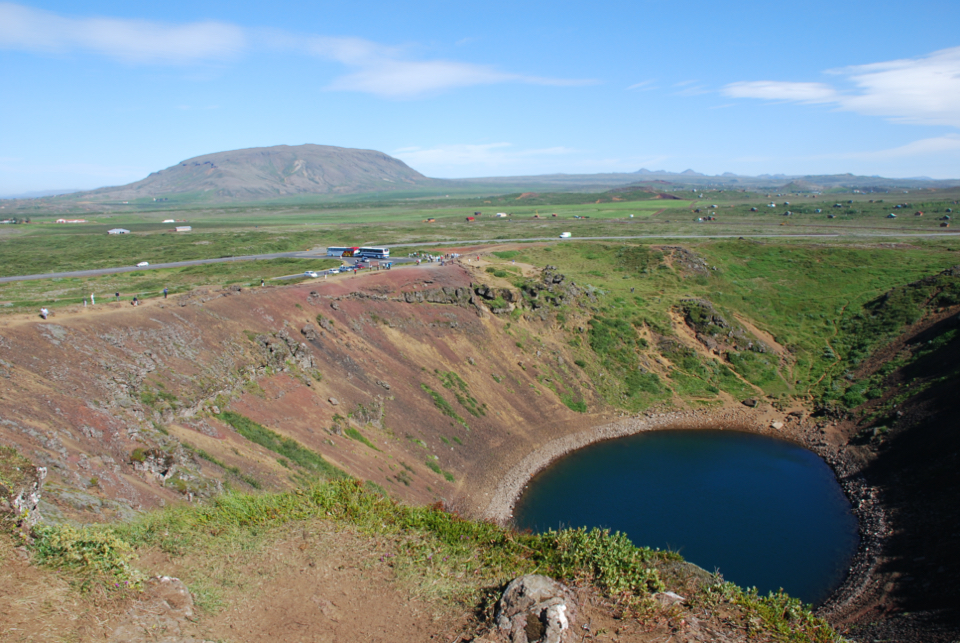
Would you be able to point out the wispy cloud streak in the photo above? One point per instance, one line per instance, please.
(373, 68)
(922, 91)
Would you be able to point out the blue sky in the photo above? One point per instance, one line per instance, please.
(104, 92)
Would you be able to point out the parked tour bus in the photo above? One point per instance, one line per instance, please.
(354, 251)
(373, 253)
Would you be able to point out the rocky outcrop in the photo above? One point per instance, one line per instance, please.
(535, 609)
(714, 331)
(20, 484)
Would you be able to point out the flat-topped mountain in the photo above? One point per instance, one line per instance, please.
(271, 172)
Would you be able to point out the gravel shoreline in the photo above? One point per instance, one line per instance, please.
(861, 580)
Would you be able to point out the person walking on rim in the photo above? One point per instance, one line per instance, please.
(164, 293)
(44, 312)
(118, 296)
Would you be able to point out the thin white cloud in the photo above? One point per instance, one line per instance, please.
(373, 68)
(782, 91)
(918, 90)
(645, 85)
(921, 91)
(138, 41)
(923, 147)
(386, 72)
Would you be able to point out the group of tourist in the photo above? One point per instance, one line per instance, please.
(45, 312)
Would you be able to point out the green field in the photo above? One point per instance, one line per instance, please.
(44, 246)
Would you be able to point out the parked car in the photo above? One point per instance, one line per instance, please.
(143, 264)
(565, 235)
(310, 273)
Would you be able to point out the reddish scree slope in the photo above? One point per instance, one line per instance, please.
(106, 399)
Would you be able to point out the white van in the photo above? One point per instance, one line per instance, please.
(565, 235)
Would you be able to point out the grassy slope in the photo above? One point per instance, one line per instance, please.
(442, 556)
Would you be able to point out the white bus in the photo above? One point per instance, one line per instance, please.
(373, 253)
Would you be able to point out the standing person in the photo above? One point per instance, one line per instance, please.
(135, 301)
(118, 296)
(261, 283)
(44, 312)
(164, 293)
(93, 302)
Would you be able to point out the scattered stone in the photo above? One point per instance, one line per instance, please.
(20, 489)
(334, 305)
(751, 402)
(161, 615)
(535, 609)
(383, 384)
(776, 425)
(310, 332)
(334, 401)
(666, 599)
(326, 324)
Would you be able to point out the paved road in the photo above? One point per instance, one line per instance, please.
(320, 254)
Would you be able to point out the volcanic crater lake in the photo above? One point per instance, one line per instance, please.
(763, 512)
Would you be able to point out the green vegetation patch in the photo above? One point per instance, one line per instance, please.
(455, 383)
(444, 406)
(353, 433)
(286, 447)
(617, 344)
(433, 466)
(96, 556)
(236, 471)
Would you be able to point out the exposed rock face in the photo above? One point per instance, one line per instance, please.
(688, 261)
(310, 332)
(20, 484)
(535, 609)
(155, 462)
(445, 295)
(714, 331)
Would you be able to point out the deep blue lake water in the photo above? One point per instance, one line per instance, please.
(765, 513)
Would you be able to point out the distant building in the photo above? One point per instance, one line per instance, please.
(470, 219)
(118, 231)
(183, 228)
(168, 220)
(71, 220)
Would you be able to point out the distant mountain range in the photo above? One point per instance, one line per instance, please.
(325, 172)
(796, 182)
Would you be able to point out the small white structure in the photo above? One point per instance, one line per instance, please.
(565, 235)
(71, 220)
(501, 214)
(169, 220)
(183, 228)
(118, 231)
